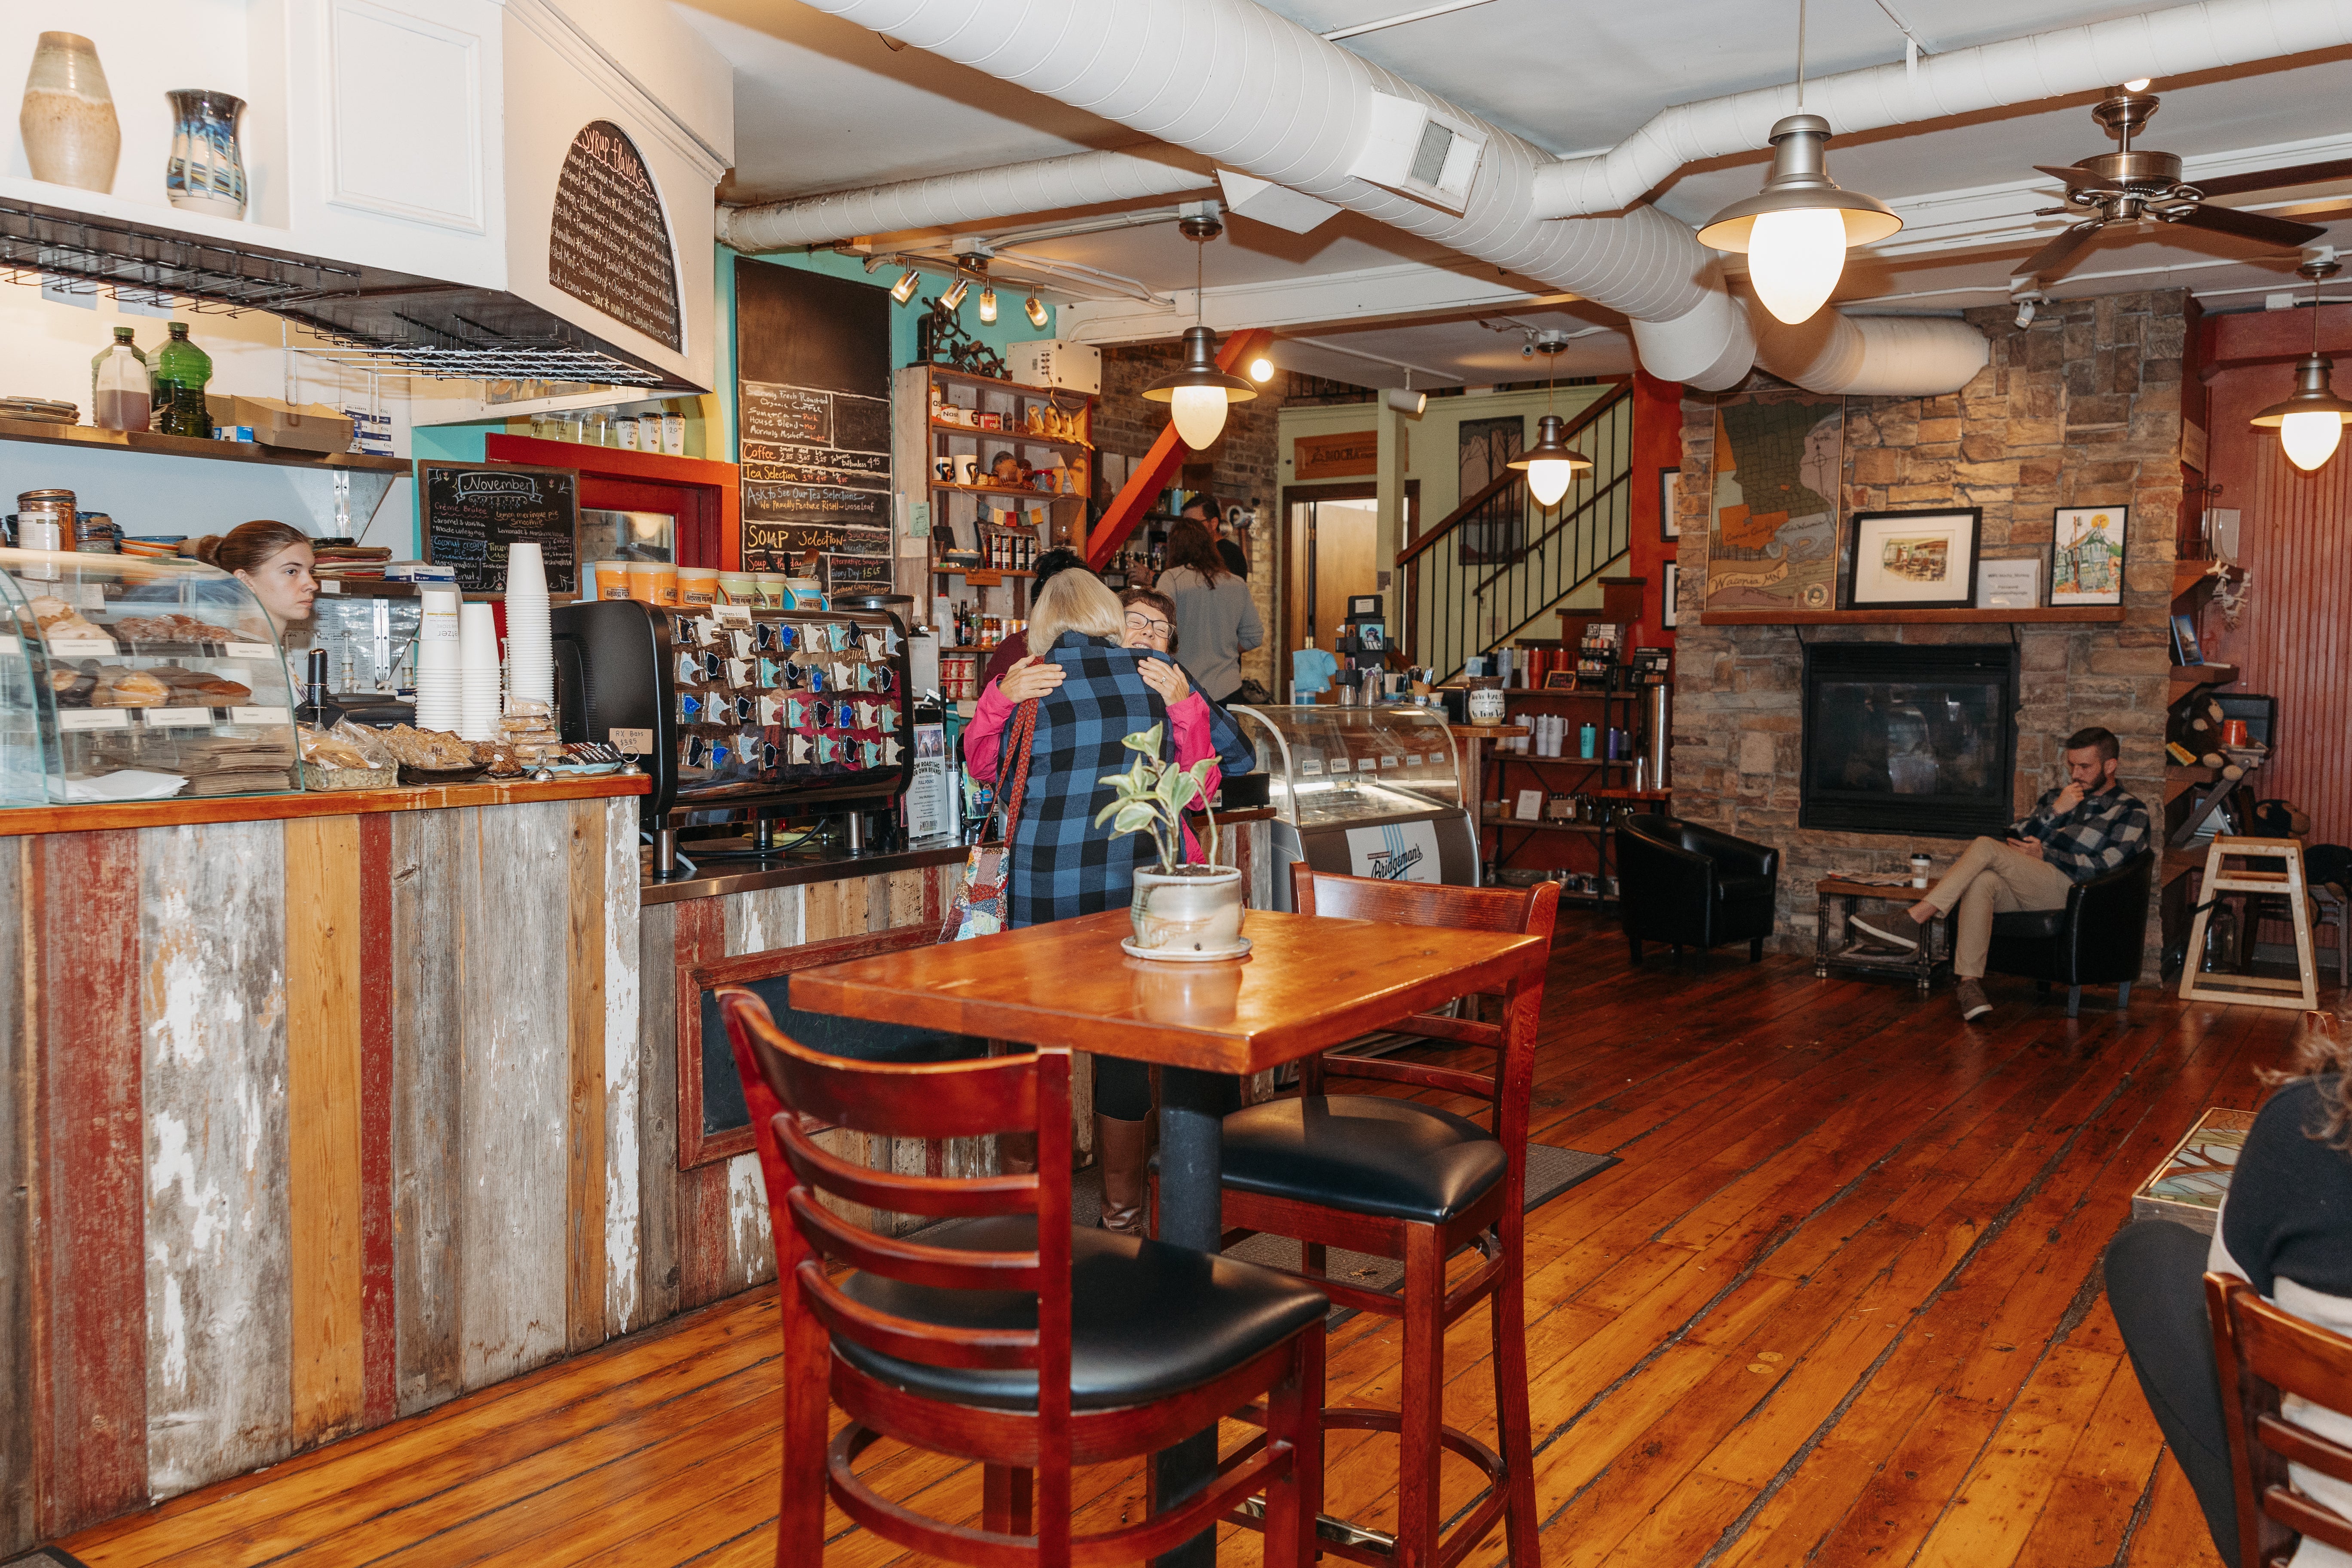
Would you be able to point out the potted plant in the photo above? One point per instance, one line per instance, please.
(1184, 909)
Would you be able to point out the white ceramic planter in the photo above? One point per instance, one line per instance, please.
(1194, 914)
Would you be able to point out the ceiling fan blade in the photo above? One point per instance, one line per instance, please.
(2276, 179)
(2255, 226)
(2055, 255)
(2075, 178)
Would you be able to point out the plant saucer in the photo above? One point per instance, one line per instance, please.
(1183, 955)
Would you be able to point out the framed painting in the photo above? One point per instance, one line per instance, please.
(1670, 501)
(1670, 611)
(1915, 560)
(2086, 557)
(1772, 510)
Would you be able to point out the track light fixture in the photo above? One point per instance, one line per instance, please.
(953, 299)
(987, 304)
(2310, 423)
(1034, 308)
(904, 289)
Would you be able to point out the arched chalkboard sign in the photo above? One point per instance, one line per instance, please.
(609, 244)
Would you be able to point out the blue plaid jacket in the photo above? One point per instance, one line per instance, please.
(1061, 864)
(2101, 832)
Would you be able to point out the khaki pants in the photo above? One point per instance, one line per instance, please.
(1990, 879)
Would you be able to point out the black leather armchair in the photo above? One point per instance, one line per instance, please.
(2097, 940)
(1681, 883)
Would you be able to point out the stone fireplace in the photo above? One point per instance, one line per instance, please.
(2082, 407)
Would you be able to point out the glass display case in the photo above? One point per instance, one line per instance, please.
(149, 679)
(23, 760)
(1363, 792)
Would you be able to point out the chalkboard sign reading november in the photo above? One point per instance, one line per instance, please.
(608, 243)
(473, 512)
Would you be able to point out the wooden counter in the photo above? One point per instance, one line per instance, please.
(291, 807)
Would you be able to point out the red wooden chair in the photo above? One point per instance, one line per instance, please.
(2263, 1354)
(1008, 1337)
(1396, 1179)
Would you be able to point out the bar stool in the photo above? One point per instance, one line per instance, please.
(1410, 1182)
(1007, 1337)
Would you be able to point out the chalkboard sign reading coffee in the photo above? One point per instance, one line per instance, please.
(609, 243)
(813, 393)
(473, 512)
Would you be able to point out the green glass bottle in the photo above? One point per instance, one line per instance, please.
(181, 369)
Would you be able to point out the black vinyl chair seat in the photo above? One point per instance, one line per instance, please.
(1364, 1153)
(2098, 938)
(1685, 883)
(1146, 1319)
(2030, 925)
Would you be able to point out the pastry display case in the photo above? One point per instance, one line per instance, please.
(148, 679)
(738, 711)
(1363, 792)
(24, 759)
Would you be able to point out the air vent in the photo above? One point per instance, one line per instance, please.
(1421, 151)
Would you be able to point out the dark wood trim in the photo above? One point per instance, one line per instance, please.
(316, 802)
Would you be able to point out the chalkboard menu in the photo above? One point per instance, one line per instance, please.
(813, 401)
(473, 512)
(609, 244)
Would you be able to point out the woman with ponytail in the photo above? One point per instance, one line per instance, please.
(271, 558)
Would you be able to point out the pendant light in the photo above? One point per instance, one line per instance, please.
(1198, 395)
(1551, 465)
(1797, 230)
(1036, 309)
(2311, 422)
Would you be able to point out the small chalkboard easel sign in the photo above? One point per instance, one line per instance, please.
(473, 512)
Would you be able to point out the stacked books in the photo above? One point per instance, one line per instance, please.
(350, 562)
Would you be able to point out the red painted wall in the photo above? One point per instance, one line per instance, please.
(1657, 444)
(2293, 640)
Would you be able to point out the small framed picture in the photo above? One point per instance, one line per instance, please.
(1915, 560)
(1670, 617)
(2186, 649)
(2086, 555)
(1670, 497)
(1560, 680)
(1371, 636)
(2011, 583)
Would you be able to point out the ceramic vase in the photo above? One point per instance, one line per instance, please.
(206, 171)
(71, 137)
(1195, 913)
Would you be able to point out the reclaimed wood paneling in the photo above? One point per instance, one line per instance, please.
(216, 1076)
(584, 1239)
(700, 935)
(761, 920)
(623, 1176)
(90, 1310)
(379, 1332)
(20, 1517)
(658, 1270)
(512, 928)
(322, 1081)
(428, 1287)
(187, 813)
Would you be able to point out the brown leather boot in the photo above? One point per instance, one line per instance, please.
(1016, 1153)
(1120, 1151)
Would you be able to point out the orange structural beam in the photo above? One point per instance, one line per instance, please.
(1153, 471)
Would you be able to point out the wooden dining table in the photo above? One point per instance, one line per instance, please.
(1308, 983)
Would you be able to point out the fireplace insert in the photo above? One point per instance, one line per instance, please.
(1919, 742)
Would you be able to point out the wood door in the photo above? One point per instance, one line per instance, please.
(1331, 544)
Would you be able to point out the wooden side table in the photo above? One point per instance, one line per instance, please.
(1932, 958)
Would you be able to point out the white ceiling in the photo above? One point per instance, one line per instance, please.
(821, 105)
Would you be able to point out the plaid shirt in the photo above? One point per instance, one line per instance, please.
(2101, 832)
(1061, 864)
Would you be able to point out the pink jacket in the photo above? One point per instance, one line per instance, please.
(1188, 723)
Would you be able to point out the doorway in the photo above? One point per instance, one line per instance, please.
(1330, 552)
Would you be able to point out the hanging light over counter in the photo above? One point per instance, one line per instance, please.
(1797, 230)
(2311, 422)
(1199, 394)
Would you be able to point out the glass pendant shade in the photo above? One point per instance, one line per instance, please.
(953, 298)
(1198, 395)
(2311, 423)
(1795, 257)
(904, 289)
(1551, 465)
(1034, 308)
(987, 305)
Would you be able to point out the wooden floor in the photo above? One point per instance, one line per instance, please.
(1840, 1303)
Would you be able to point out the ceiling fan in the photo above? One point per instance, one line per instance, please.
(2132, 185)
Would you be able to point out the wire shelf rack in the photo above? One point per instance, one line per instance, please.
(176, 270)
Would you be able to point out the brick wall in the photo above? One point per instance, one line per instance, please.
(1245, 461)
(2080, 408)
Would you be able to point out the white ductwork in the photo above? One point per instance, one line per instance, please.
(1889, 356)
(2067, 60)
(1049, 184)
(1250, 90)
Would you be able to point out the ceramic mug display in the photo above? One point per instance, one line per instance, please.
(71, 136)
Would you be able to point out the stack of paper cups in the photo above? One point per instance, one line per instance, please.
(437, 677)
(478, 671)
(530, 654)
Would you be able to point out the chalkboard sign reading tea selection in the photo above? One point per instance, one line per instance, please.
(474, 512)
(609, 243)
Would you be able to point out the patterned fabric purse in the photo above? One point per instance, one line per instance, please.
(981, 904)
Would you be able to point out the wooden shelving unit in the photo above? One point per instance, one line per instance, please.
(1606, 778)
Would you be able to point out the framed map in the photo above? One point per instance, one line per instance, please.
(1772, 520)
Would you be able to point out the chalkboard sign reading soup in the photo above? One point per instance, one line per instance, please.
(473, 512)
(816, 471)
(608, 244)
